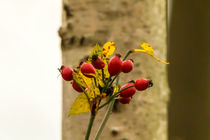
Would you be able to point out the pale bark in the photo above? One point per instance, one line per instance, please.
(126, 22)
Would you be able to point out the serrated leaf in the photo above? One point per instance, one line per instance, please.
(80, 105)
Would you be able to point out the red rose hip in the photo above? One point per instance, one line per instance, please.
(124, 100)
(97, 62)
(129, 92)
(87, 69)
(115, 65)
(142, 84)
(66, 73)
(127, 66)
(76, 87)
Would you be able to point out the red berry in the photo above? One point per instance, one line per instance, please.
(128, 92)
(97, 62)
(142, 84)
(124, 100)
(87, 68)
(115, 65)
(76, 87)
(127, 66)
(66, 73)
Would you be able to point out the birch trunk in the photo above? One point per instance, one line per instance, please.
(126, 22)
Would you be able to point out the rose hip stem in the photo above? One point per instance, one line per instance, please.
(113, 96)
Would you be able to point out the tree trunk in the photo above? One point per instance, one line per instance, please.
(127, 23)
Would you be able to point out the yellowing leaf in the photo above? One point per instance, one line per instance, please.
(80, 105)
(81, 79)
(108, 49)
(147, 48)
(116, 89)
(106, 72)
(93, 91)
(96, 51)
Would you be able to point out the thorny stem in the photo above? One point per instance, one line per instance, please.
(92, 118)
(108, 113)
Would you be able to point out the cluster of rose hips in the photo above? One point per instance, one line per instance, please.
(115, 66)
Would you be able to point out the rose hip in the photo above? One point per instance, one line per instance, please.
(129, 92)
(142, 84)
(115, 65)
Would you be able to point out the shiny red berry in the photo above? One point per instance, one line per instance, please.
(124, 100)
(129, 92)
(76, 87)
(97, 62)
(87, 69)
(142, 84)
(127, 66)
(115, 65)
(66, 73)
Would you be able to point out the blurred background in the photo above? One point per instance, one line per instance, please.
(30, 91)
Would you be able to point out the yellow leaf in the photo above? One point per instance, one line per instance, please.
(108, 49)
(147, 48)
(106, 72)
(93, 91)
(96, 51)
(80, 105)
(81, 79)
(116, 89)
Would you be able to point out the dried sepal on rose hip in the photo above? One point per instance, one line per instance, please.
(124, 100)
(66, 73)
(129, 92)
(142, 84)
(115, 65)
(76, 86)
(127, 66)
(87, 69)
(97, 62)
